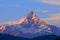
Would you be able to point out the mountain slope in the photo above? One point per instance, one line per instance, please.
(45, 37)
(29, 27)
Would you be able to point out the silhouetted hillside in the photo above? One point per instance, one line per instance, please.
(9, 37)
(46, 37)
(58, 38)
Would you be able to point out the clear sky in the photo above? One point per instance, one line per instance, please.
(11, 10)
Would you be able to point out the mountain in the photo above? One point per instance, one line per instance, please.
(29, 26)
(45, 37)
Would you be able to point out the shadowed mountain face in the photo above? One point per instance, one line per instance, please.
(29, 27)
(45, 37)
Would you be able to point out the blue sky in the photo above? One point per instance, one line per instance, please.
(11, 10)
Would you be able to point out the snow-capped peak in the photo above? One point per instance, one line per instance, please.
(28, 26)
(31, 17)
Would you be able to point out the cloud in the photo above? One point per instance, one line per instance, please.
(11, 5)
(54, 19)
(15, 5)
(41, 10)
(54, 2)
(44, 10)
